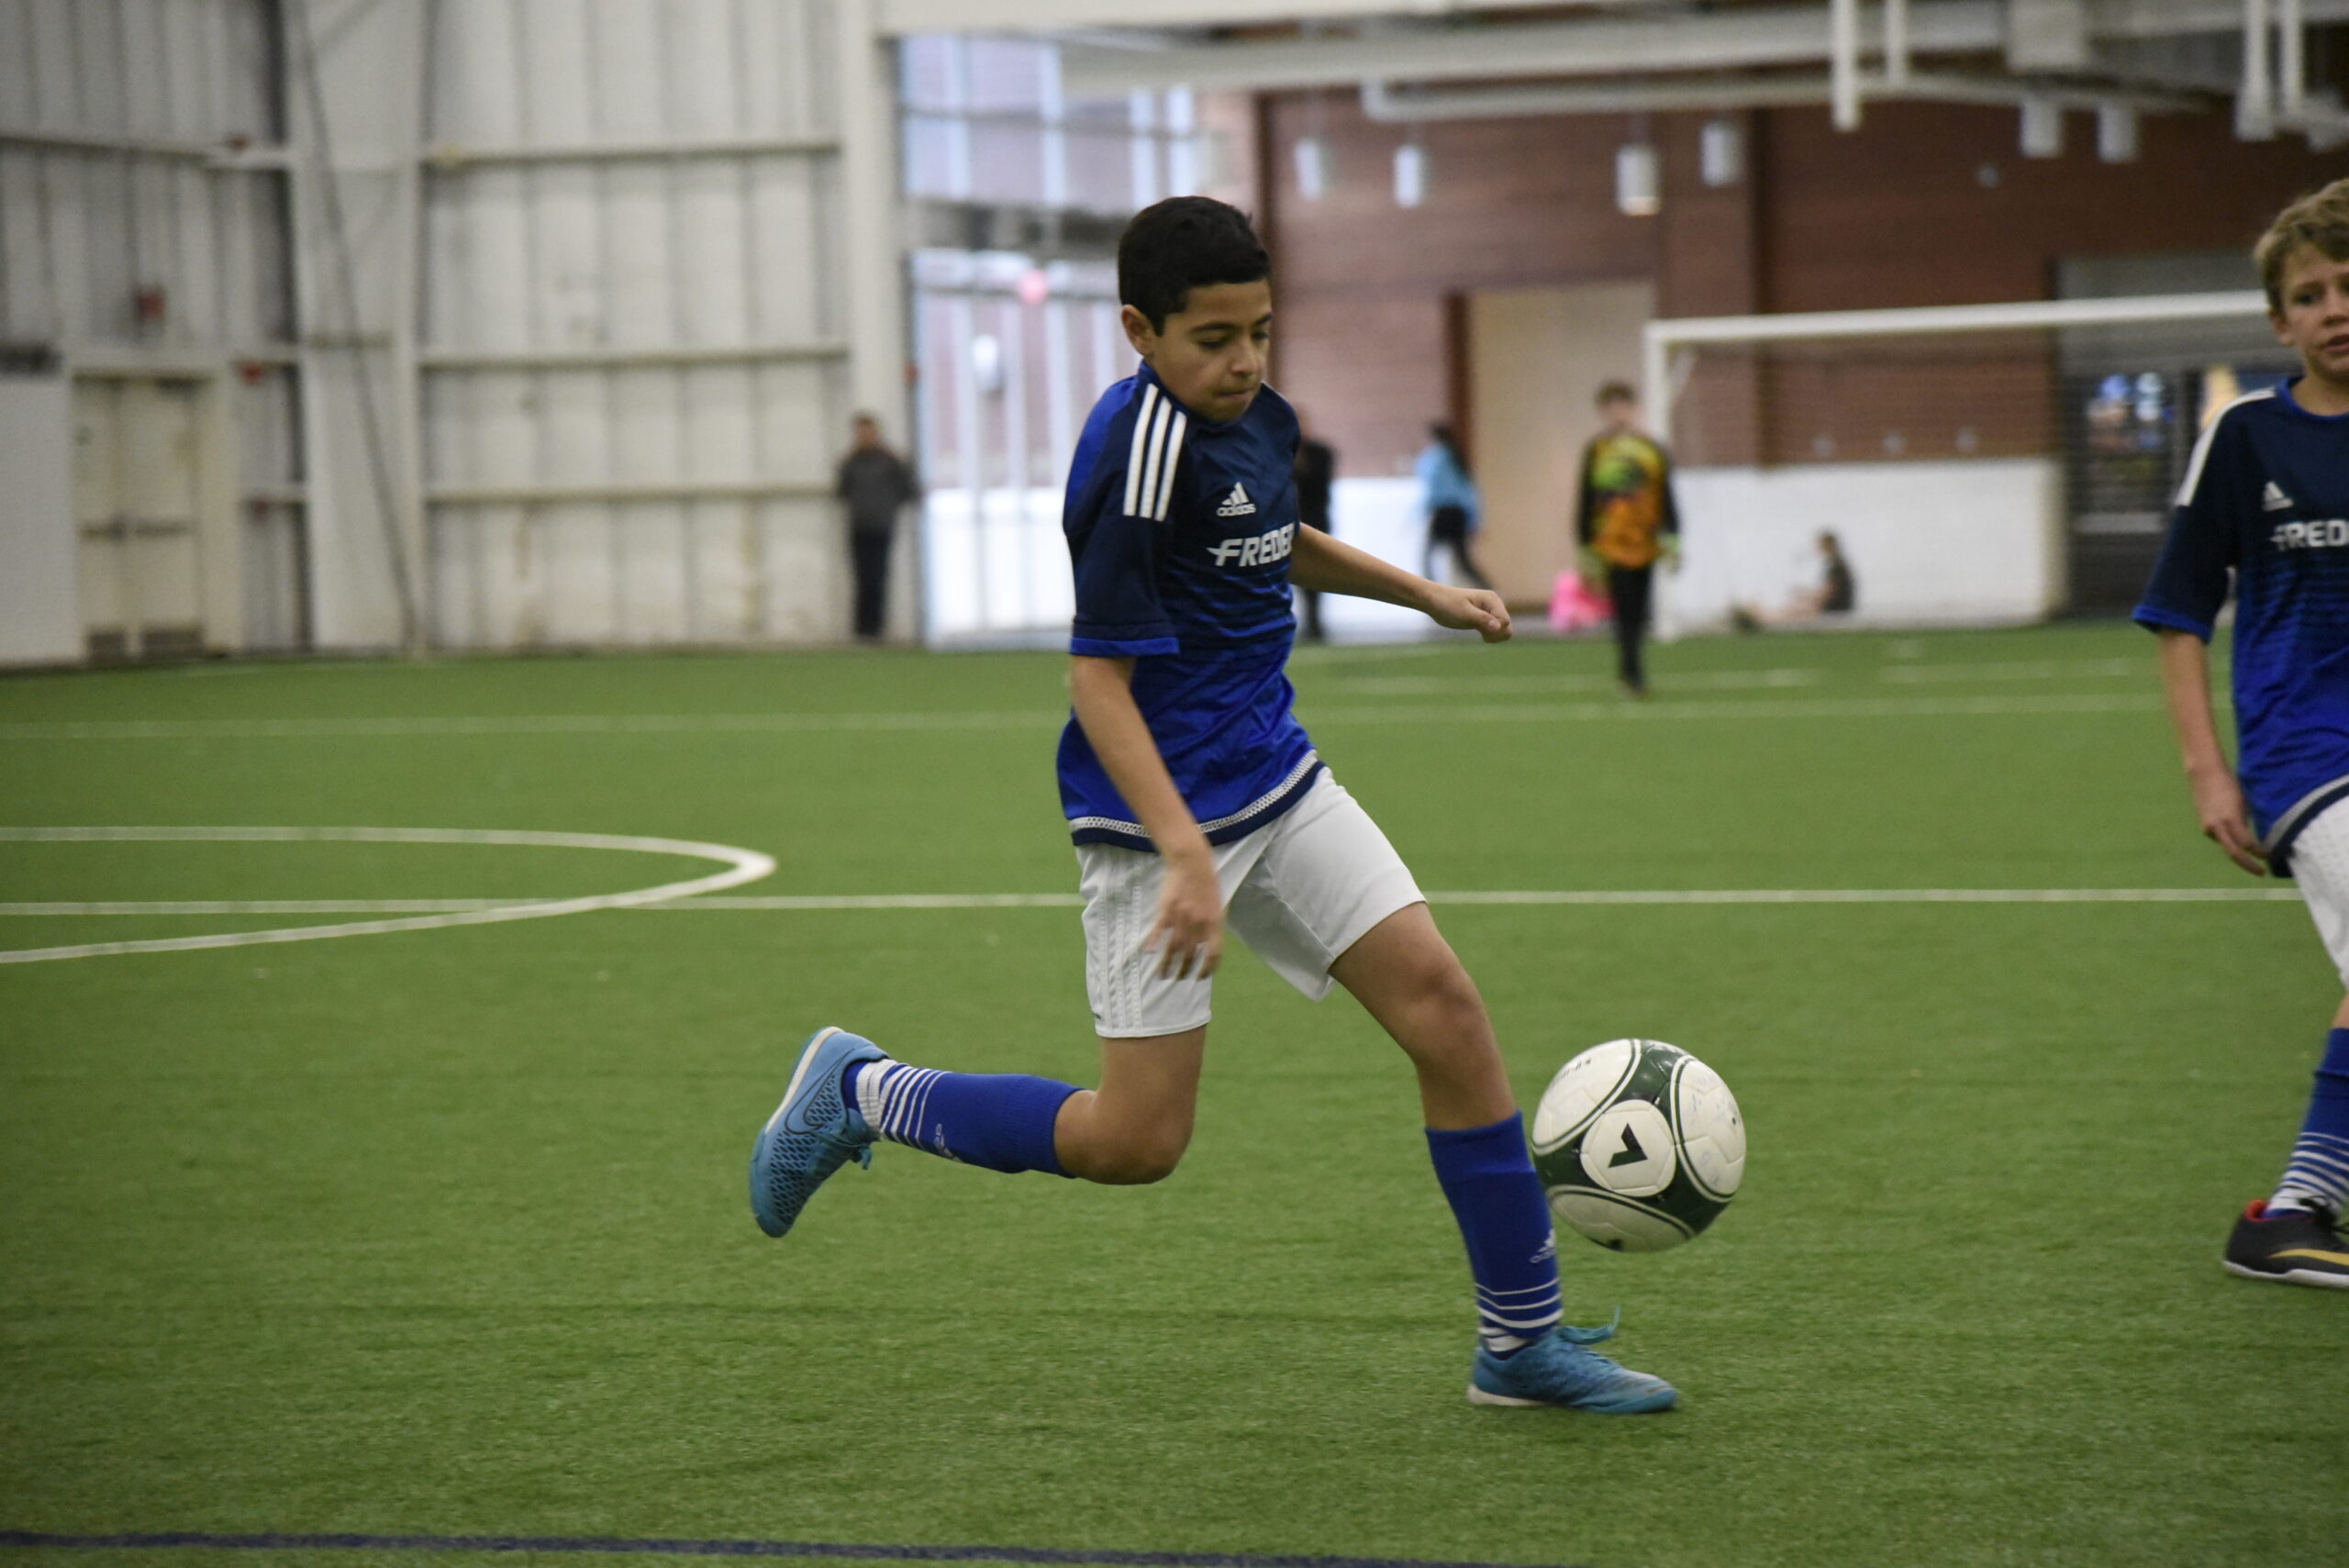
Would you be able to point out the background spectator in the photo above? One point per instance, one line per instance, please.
(1315, 470)
(1449, 497)
(875, 484)
(1836, 592)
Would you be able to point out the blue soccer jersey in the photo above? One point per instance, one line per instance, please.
(1179, 530)
(2268, 495)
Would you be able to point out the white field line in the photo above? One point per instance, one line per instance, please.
(1585, 896)
(1821, 707)
(520, 724)
(2050, 670)
(742, 866)
(1887, 895)
(265, 907)
(1443, 686)
(1312, 712)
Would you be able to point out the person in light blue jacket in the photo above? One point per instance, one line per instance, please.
(1449, 497)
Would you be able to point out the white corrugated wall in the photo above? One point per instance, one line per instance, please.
(634, 336)
(143, 240)
(527, 321)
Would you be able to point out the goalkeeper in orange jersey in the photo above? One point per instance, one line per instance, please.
(1626, 522)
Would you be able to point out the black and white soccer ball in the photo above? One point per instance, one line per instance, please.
(1639, 1145)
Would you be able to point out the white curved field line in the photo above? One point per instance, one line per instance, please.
(742, 866)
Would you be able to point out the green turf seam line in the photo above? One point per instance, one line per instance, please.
(786, 903)
(669, 1547)
(950, 722)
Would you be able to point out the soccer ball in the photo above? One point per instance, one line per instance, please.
(1639, 1145)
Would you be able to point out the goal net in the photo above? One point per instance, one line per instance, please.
(1976, 464)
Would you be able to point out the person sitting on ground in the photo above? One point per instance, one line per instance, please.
(1836, 592)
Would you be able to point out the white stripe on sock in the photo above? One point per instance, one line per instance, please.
(1540, 1320)
(872, 1081)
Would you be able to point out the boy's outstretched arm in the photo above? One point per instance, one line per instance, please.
(1187, 935)
(2218, 798)
(1320, 563)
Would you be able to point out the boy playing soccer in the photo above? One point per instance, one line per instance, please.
(1194, 798)
(2267, 494)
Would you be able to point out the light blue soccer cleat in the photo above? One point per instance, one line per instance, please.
(1556, 1369)
(813, 1133)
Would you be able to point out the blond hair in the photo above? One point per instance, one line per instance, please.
(2319, 220)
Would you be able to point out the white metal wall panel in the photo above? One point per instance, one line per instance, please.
(132, 233)
(634, 385)
(40, 588)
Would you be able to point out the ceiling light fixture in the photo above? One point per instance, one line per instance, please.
(1639, 189)
(1410, 174)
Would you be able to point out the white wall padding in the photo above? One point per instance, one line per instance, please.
(1976, 542)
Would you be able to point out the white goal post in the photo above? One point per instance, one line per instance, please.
(1980, 463)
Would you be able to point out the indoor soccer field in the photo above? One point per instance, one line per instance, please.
(439, 1231)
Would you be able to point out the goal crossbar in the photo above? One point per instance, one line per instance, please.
(1660, 338)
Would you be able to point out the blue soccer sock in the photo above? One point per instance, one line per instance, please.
(2317, 1176)
(1488, 1179)
(1002, 1121)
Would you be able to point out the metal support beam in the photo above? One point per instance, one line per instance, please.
(1387, 105)
(1843, 60)
(1739, 37)
(2255, 99)
(457, 155)
(894, 18)
(616, 357)
(875, 268)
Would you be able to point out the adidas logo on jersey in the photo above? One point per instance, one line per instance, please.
(2273, 499)
(1236, 504)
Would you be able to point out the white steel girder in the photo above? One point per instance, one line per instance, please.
(897, 17)
(1776, 35)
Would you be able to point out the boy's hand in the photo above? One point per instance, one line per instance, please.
(2219, 807)
(1188, 936)
(1479, 610)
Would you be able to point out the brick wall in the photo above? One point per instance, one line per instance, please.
(1926, 204)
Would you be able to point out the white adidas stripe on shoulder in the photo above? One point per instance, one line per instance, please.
(1166, 477)
(1155, 450)
(2202, 447)
(1133, 456)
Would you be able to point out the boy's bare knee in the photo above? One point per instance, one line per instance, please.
(1139, 1163)
(1440, 985)
(1130, 1157)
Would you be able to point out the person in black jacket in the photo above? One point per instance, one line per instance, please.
(874, 484)
(1316, 471)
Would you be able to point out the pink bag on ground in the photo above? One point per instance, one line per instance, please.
(1574, 607)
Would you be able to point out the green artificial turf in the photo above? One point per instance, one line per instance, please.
(444, 1231)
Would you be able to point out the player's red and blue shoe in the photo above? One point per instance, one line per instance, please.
(1560, 1369)
(2291, 1246)
(813, 1133)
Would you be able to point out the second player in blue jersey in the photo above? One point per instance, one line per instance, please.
(2265, 502)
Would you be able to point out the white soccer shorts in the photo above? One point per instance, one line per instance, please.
(1299, 892)
(2321, 866)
